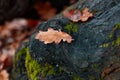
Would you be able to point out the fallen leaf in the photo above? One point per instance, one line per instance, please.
(73, 15)
(52, 35)
(85, 15)
(77, 15)
(4, 75)
(45, 10)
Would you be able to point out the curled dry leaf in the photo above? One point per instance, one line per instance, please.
(77, 15)
(52, 35)
(85, 15)
(73, 15)
(4, 75)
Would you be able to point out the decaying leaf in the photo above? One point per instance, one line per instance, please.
(73, 15)
(4, 75)
(52, 35)
(77, 15)
(85, 15)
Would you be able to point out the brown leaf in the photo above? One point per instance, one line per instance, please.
(4, 75)
(52, 35)
(73, 15)
(45, 10)
(85, 15)
(76, 15)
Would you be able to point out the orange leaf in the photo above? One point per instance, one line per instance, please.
(52, 35)
(85, 15)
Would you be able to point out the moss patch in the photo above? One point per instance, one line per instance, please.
(117, 27)
(32, 67)
(77, 78)
(92, 77)
(18, 66)
(71, 27)
(36, 71)
(114, 42)
(20, 54)
(95, 67)
(48, 70)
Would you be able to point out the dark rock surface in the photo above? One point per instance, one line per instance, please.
(94, 54)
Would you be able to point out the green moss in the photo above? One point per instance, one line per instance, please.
(20, 54)
(101, 78)
(77, 78)
(105, 45)
(117, 27)
(92, 78)
(32, 67)
(111, 35)
(36, 71)
(95, 67)
(17, 63)
(118, 40)
(48, 70)
(71, 27)
(113, 43)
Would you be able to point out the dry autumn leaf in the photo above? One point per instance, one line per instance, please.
(85, 15)
(45, 10)
(77, 15)
(4, 75)
(52, 35)
(73, 15)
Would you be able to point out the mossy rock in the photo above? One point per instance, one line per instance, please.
(85, 58)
